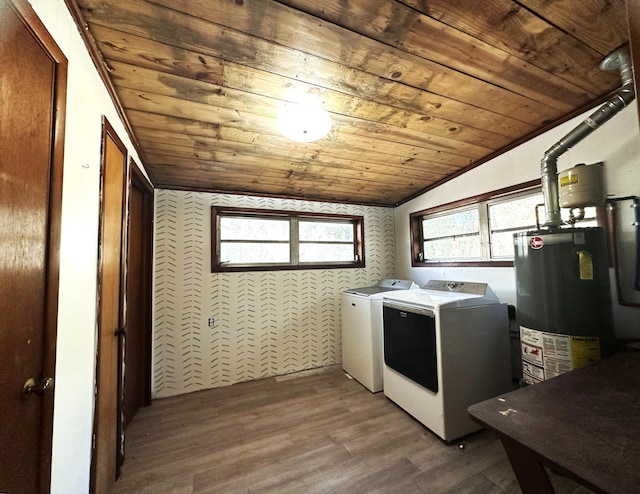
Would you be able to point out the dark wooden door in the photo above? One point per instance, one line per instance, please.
(106, 444)
(137, 348)
(32, 92)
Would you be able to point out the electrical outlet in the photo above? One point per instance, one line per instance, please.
(211, 322)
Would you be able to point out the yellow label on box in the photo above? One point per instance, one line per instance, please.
(586, 265)
(569, 180)
(585, 350)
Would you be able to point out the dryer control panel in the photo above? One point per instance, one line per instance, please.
(470, 287)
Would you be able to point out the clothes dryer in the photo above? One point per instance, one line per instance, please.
(446, 347)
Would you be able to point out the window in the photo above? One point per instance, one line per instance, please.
(508, 216)
(250, 239)
(479, 230)
(326, 241)
(450, 235)
(254, 240)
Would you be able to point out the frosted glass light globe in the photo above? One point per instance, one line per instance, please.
(304, 124)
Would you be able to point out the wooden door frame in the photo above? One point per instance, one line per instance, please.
(108, 132)
(137, 179)
(33, 23)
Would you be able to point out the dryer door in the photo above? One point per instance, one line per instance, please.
(410, 343)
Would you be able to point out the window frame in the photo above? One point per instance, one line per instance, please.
(481, 201)
(293, 217)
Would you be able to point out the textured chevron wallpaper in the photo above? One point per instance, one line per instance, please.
(264, 323)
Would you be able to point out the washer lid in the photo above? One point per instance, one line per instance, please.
(385, 285)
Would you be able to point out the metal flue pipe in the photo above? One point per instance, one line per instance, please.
(619, 59)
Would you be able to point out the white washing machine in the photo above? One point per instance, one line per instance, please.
(362, 331)
(446, 347)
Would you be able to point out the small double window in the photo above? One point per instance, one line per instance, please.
(249, 240)
(479, 231)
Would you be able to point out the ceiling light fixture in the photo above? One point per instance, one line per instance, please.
(304, 124)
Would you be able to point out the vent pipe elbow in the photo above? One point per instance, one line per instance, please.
(620, 60)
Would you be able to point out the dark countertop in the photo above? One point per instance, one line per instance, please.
(586, 422)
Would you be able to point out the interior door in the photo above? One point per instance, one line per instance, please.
(137, 347)
(32, 99)
(106, 439)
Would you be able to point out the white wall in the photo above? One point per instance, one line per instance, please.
(87, 101)
(616, 143)
(266, 323)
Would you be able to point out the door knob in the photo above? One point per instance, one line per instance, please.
(38, 388)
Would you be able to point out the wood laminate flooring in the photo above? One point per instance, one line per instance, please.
(311, 432)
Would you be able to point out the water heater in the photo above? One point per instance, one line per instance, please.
(563, 300)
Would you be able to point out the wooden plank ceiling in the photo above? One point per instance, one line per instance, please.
(417, 90)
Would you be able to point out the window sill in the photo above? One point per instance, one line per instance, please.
(283, 267)
(462, 264)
